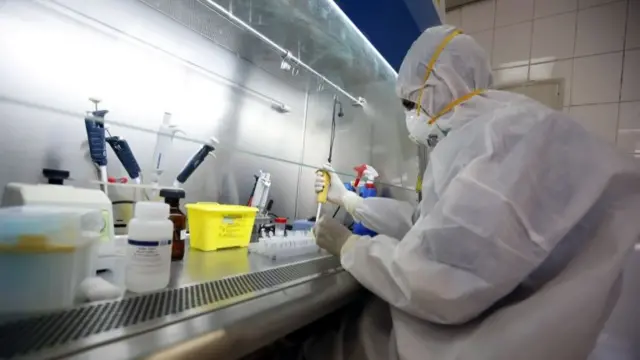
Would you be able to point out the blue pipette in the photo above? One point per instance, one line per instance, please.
(195, 161)
(94, 123)
(123, 151)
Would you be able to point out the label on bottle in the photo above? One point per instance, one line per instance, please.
(148, 256)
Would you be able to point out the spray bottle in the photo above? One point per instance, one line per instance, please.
(366, 191)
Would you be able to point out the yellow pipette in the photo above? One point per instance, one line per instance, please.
(321, 197)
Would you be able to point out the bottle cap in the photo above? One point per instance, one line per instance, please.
(151, 210)
(56, 177)
(172, 193)
(281, 220)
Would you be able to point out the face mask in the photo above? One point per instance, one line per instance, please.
(420, 132)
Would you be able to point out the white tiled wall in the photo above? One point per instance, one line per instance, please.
(594, 45)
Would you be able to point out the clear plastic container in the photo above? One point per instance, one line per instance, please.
(281, 226)
(45, 253)
(303, 225)
(148, 263)
(277, 247)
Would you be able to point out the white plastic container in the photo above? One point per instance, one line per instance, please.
(45, 253)
(148, 263)
(17, 194)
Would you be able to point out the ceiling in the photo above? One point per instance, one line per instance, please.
(423, 13)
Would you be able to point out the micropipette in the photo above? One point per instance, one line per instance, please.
(321, 198)
(123, 151)
(163, 145)
(261, 192)
(195, 161)
(94, 123)
(322, 195)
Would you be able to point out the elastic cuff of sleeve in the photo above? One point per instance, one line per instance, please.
(351, 201)
(349, 244)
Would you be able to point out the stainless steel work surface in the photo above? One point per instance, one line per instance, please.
(221, 303)
(200, 266)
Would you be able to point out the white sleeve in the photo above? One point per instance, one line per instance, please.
(455, 262)
(385, 216)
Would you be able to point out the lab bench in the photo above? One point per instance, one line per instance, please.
(222, 304)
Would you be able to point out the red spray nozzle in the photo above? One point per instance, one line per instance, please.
(360, 169)
(113, 180)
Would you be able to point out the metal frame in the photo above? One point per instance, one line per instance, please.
(286, 54)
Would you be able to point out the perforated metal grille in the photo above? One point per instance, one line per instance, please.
(37, 333)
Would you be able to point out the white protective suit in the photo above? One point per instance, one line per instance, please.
(516, 250)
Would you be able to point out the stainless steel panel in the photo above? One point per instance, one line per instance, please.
(393, 154)
(57, 53)
(352, 144)
(138, 84)
(69, 331)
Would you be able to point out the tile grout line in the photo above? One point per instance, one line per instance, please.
(534, 18)
(493, 31)
(573, 57)
(562, 59)
(573, 53)
(603, 103)
(531, 62)
(624, 53)
(560, 13)
(533, 15)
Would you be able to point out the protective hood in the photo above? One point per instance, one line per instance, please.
(462, 67)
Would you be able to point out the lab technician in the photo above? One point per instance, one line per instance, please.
(516, 250)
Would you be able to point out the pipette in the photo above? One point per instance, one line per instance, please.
(123, 151)
(321, 198)
(195, 161)
(164, 142)
(94, 123)
(261, 192)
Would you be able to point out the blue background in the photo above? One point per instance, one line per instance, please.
(390, 25)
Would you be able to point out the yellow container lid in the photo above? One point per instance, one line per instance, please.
(215, 207)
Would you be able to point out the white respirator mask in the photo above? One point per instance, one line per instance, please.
(420, 132)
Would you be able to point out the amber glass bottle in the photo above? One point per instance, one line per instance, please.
(179, 219)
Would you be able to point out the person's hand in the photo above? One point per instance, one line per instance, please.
(337, 190)
(331, 235)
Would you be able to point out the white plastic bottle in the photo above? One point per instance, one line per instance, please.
(149, 248)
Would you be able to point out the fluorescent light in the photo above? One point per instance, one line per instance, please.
(348, 21)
